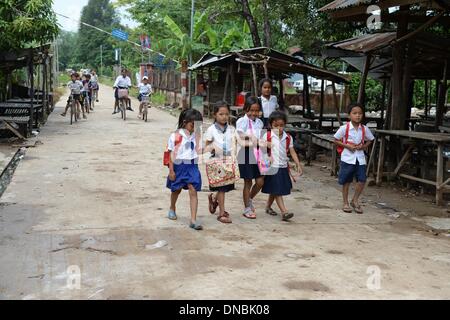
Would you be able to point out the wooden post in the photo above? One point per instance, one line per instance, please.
(31, 73)
(336, 105)
(210, 82)
(387, 121)
(281, 100)
(439, 174)
(184, 84)
(266, 71)
(426, 98)
(255, 80)
(381, 160)
(306, 100)
(233, 83)
(227, 81)
(440, 106)
(383, 100)
(362, 84)
(321, 104)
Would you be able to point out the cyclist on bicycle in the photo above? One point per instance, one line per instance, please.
(87, 91)
(122, 82)
(75, 87)
(94, 81)
(145, 90)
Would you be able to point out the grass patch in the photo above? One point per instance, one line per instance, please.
(159, 99)
(63, 78)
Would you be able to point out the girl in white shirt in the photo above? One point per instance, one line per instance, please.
(277, 182)
(220, 140)
(248, 129)
(184, 146)
(269, 103)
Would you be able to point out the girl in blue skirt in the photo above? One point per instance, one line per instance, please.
(277, 182)
(184, 146)
(249, 129)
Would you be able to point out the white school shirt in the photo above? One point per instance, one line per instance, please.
(75, 87)
(269, 105)
(243, 125)
(278, 150)
(145, 89)
(355, 137)
(184, 149)
(122, 82)
(221, 139)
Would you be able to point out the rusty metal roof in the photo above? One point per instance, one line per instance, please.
(277, 63)
(341, 4)
(365, 43)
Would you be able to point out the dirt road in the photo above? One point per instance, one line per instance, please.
(85, 218)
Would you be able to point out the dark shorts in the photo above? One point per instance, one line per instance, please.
(348, 172)
(76, 97)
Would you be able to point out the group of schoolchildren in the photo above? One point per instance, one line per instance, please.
(82, 88)
(252, 134)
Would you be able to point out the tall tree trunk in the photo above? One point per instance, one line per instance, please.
(246, 12)
(267, 31)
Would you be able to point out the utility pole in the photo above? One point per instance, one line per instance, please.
(190, 54)
(101, 60)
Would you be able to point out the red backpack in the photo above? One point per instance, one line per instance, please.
(345, 139)
(269, 139)
(166, 158)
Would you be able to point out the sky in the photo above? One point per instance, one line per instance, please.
(73, 9)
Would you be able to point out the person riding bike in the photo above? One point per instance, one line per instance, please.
(145, 90)
(122, 82)
(87, 91)
(94, 85)
(75, 87)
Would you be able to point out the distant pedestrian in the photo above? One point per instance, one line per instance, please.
(184, 146)
(352, 139)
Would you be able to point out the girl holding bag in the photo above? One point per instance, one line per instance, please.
(248, 129)
(221, 169)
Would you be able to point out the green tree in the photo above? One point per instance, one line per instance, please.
(101, 14)
(65, 41)
(24, 23)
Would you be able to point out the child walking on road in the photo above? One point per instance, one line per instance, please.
(277, 183)
(184, 147)
(249, 129)
(220, 138)
(352, 139)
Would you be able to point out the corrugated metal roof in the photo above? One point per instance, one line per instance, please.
(341, 4)
(365, 43)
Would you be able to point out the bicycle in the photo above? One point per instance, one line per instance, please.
(94, 98)
(145, 102)
(73, 107)
(123, 103)
(86, 101)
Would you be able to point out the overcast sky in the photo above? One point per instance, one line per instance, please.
(73, 9)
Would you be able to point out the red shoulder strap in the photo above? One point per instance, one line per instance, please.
(178, 138)
(363, 134)
(269, 139)
(347, 129)
(288, 142)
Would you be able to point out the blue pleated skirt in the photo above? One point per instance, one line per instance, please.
(185, 174)
(278, 184)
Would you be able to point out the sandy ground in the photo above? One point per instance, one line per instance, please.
(92, 199)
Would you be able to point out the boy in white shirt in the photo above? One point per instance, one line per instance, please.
(352, 139)
(122, 82)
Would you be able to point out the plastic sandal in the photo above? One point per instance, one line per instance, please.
(172, 215)
(212, 204)
(357, 208)
(271, 212)
(249, 214)
(286, 216)
(224, 219)
(347, 209)
(196, 226)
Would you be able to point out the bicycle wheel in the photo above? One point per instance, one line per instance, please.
(145, 112)
(93, 100)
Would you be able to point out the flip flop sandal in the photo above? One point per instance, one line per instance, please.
(224, 219)
(172, 215)
(286, 216)
(212, 204)
(347, 209)
(271, 212)
(250, 215)
(357, 208)
(196, 226)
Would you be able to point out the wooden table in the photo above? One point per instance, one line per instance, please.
(438, 139)
(19, 113)
(327, 141)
